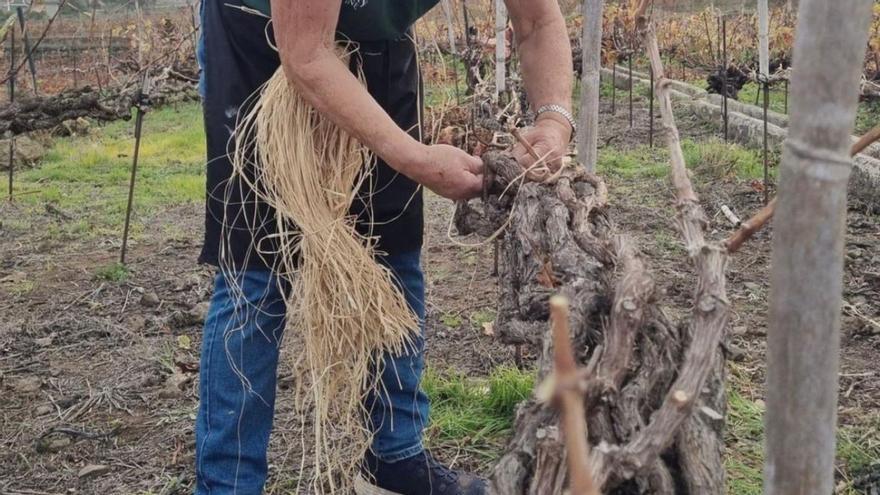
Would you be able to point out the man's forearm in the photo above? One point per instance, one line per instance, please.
(326, 83)
(305, 35)
(545, 53)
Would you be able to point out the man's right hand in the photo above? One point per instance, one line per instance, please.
(449, 172)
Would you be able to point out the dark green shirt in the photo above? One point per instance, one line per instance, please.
(371, 20)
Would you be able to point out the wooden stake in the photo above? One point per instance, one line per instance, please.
(591, 60)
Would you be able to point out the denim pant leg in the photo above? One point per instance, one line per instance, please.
(239, 361)
(400, 414)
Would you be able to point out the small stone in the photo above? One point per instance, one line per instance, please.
(58, 444)
(760, 403)
(27, 384)
(28, 152)
(734, 353)
(93, 470)
(198, 312)
(137, 323)
(42, 410)
(752, 286)
(45, 341)
(740, 330)
(150, 299)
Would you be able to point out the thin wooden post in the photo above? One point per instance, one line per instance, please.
(763, 39)
(500, 48)
(591, 62)
(808, 243)
(27, 46)
(450, 25)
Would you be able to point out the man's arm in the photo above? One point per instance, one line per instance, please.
(545, 55)
(305, 36)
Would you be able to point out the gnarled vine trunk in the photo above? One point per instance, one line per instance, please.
(559, 239)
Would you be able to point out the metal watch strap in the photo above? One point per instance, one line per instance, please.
(561, 110)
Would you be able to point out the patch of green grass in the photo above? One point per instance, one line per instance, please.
(751, 90)
(440, 91)
(867, 117)
(451, 320)
(474, 415)
(88, 176)
(117, 272)
(482, 316)
(718, 159)
(641, 162)
(667, 242)
(858, 447)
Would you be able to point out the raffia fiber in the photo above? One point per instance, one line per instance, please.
(342, 305)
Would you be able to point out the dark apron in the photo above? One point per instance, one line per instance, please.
(237, 60)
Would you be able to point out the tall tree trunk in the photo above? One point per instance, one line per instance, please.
(808, 248)
(591, 52)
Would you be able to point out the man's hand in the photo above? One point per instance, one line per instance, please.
(549, 138)
(449, 172)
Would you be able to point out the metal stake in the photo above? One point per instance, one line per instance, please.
(630, 90)
(785, 83)
(75, 68)
(11, 100)
(614, 87)
(724, 75)
(138, 127)
(651, 110)
(766, 146)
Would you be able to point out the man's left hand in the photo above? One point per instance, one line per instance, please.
(549, 138)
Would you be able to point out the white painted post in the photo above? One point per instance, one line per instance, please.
(450, 24)
(500, 47)
(591, 48)
(763, 39)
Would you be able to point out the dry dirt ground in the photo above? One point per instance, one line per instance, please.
(96, 371)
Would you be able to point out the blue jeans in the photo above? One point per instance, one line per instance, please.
(243, 332)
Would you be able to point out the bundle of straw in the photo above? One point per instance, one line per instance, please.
(343, 305)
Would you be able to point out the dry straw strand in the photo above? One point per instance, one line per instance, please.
(343, 306)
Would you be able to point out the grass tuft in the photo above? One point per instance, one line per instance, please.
(474, 415)
(117, 272)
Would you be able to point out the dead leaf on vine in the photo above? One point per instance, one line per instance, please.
(546, 277)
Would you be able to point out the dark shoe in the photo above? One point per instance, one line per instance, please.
(418, 475)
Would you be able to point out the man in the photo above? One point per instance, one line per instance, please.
(246, 318)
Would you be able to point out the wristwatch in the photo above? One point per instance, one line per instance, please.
(561, 110)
